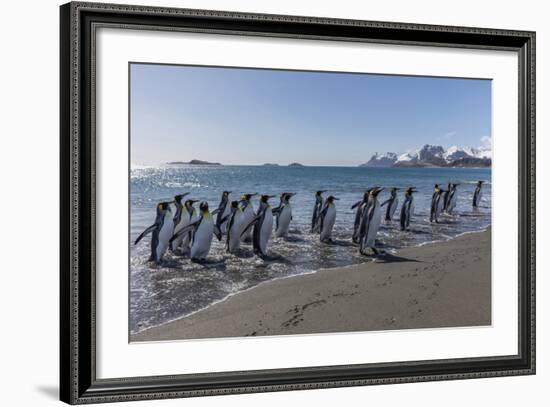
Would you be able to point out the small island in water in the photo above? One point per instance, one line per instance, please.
(270, 165)
(295, 165)
(192, 162)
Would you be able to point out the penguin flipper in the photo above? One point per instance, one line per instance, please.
(184, 230)
(385, 202)
(145, 233)
(245, 230)
(356, 204)
(215, 211)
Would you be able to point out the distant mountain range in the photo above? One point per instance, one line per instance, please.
(434, 156)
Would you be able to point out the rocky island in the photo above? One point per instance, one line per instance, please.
(192, 162)
(295, 165)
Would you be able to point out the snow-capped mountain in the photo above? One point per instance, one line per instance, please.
(435, 156)
(381, 160)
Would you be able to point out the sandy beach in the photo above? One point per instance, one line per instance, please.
(442, 284)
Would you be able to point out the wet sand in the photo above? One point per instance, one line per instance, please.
(445, 284)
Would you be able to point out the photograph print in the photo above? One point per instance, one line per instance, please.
(270, 202)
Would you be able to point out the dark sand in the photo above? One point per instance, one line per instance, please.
(445, 284)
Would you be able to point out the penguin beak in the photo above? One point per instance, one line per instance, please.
(194, 201)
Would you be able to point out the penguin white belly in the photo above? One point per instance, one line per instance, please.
(265, 231)
(188, 238)
(248, 215)
(226, 212)
(393, 207)
(374, 225)
(234, 234)
(202, 239)
(479, 196)
(184, 221)
(284, 221)
(452, 202)
(439, 207)
(328, 223)
(166, 232)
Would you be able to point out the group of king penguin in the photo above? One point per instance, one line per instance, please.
(190, 232)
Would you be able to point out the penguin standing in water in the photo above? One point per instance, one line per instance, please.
(370, 222)
(327, 217)
(317, 211)
(224, 209)
(360, 205)
(392, 204)
(161, 231)
(446, 196)
(203, 230)
(407, 210)
(248, 215)
(181, 219)
(263, 226)
(452, 196)
(478, 194)
(438, 201)
(283, 215)
(235, 226)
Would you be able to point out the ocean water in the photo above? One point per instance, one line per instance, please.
(178, 287)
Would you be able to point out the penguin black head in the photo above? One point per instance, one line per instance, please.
(410, 190)
(436, 186)
(204, 207)
(394, 191)
(246, 197)
(189, 203)
(178, 198)
(226, 193)
(265, 198)
(287, 195)
(480, 182)
(331, 199)
(234, 204)
(319, 193)
(163, 206)
(375, 191)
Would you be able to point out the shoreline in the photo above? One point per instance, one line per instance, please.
(327, 300)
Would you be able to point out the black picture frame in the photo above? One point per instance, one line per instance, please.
(78, 382)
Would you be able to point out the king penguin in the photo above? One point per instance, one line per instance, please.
(235, 226)
(360, 205)
(452, 198)
(438, 202)
(392, 204)
(317, 211)
(370, 222)
(478, 194)
(161, 231)
(327, 217)
(283, 215)
(248, 215)
(181, 219)
(407, 210)
(203, 231)
(223, 210)
(263, 226)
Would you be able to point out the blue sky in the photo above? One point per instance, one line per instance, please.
(252, 116)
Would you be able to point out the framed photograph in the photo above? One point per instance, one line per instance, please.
(255, 203)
